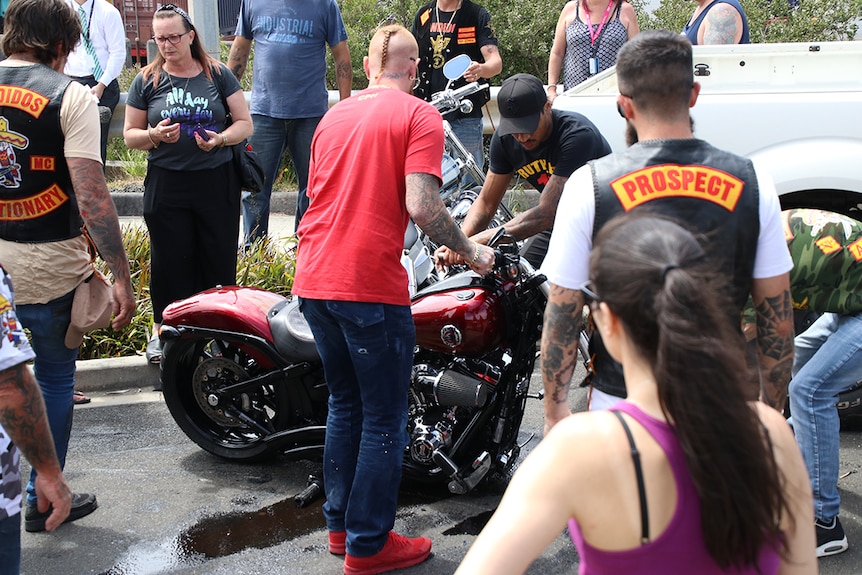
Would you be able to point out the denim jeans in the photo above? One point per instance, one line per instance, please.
(469, 131)
(367, 353)
(827, 361)
(10, 545)
(54, 368)
(270, 139)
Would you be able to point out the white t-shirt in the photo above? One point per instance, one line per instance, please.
(14, 349)
(567, 261)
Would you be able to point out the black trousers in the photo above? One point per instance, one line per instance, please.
(193, 219)
(110, 99)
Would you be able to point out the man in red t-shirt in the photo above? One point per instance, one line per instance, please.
(375, 162)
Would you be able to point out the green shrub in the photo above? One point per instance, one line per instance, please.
(266, 265)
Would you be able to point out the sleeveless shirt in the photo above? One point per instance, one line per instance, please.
(579, 50)
(680, 547)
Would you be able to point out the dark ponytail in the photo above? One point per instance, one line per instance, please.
(652, 273)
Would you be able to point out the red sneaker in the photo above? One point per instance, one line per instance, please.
(337, 542)
(398, 553)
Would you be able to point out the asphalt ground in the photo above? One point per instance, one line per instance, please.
(168, 507)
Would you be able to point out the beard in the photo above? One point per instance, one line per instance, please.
(632, 133)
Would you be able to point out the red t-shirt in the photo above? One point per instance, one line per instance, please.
(352, 235)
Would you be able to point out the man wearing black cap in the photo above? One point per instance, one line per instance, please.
(541, 145)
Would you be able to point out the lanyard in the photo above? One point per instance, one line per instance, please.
(595, 36)
(89, 22)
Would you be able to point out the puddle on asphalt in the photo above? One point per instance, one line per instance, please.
(229, 533)
(221, 535)
(471, 525)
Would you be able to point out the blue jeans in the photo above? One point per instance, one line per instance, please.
(367, 353)
(271, 137)
(828, 360)
(469, 131)
(54, 368)
(10, 545)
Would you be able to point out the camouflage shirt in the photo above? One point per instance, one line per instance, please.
(14, 349)
(827, 260)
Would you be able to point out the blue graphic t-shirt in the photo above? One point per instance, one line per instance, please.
(290, 39)
(187, 101)
(14, 350)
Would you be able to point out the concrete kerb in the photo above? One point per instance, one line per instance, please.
(115, 374)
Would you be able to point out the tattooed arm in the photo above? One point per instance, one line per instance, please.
(343, 69)
(238, 57)
(537, 219)
(722, 25)
(427, 210)
(22, 413)
(560, 334)
(774, 337)
(100, 216)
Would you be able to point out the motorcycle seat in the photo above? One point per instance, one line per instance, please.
(290, 332)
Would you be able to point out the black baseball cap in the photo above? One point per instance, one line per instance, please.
(521, 99)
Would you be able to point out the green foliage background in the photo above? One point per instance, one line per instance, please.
(525, 28)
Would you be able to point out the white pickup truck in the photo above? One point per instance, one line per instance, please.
(796, 109)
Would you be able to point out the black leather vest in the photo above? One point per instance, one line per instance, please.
(707, 190)
(37, 201)
(431, 78)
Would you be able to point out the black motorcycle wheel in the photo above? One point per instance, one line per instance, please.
(233, 427)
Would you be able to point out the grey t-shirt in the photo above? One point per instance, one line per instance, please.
(187, 101)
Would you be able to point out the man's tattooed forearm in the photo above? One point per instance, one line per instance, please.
(99, 214)
(773, 315)
(423, 195)
(559, 346)
(22, 413)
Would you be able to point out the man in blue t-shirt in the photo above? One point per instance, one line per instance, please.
(288, 94)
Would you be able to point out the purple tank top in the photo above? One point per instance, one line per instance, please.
(680, 547)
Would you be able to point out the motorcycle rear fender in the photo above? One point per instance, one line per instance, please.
(228, 308)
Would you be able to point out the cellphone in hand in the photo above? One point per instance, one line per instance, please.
(202, 133)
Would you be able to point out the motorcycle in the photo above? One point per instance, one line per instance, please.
(458, 166)
(242, 378)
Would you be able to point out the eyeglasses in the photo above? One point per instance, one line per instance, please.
(173, 38)
(591, 297)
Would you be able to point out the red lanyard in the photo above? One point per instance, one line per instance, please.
(598, 32)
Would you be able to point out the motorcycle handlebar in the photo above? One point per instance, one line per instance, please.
(449, 100)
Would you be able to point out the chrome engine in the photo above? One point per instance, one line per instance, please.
(442, 398)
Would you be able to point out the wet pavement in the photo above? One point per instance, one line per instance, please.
(167, 507)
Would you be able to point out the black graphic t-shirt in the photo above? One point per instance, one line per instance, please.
(573, 142)
(188, 101)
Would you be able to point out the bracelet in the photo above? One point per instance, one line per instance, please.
(150, 136)
(223, 140)
(475, 256)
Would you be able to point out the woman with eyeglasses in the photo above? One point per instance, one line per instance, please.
(685, 475)
(177, 109)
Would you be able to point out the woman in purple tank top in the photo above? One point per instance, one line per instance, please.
(685, 475)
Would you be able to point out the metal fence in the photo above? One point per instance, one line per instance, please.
(228, 11)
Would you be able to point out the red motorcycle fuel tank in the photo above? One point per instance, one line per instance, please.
(464, 321)
(228, 308)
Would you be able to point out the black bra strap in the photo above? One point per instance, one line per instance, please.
(636, 459)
